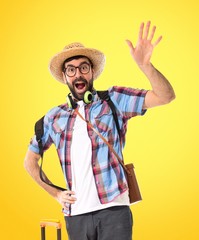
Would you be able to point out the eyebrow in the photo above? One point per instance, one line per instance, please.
(71, 65)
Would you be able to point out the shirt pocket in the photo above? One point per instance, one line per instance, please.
(105, 124)
(59, 125)
(103, 121)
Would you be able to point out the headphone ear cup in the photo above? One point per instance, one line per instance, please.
(88, 97)
(70, 102)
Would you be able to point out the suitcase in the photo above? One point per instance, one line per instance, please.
(50, 222)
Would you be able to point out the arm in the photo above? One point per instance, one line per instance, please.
(32, 167)
(162, 91)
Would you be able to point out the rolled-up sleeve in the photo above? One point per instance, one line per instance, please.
(130, 101)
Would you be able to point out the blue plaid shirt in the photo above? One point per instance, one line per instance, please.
(58, 129)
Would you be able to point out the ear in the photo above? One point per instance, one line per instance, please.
(64, 78)
(92, 71)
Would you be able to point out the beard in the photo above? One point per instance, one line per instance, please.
(79, 87)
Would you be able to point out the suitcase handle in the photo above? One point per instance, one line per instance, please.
(50, 222)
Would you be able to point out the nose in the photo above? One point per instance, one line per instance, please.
(78, 73)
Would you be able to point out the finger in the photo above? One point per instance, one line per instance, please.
(69, 198)
(66, 202)
(157, 41)
(70, 193)
(69, 201)
(129, 43)
(152, 33)
(132, 49)
(67, 193)
(141, 31)
(146, 32)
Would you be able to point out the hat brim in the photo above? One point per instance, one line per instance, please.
(97, 58)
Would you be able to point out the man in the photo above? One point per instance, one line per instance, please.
(96, 202)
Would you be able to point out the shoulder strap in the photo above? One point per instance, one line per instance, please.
(104, 95)
(39, 132)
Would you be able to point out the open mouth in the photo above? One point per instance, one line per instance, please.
(80, 85)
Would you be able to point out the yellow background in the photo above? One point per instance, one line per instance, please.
(163, 144)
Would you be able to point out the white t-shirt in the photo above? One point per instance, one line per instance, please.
(83, 182)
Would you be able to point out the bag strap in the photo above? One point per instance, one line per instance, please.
(39, 132)
(104, 139)
(105, 96)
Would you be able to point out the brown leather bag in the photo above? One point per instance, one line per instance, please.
(134, 191)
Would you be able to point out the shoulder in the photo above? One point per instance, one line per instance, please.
(57, 112)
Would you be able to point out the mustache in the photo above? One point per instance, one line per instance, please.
(80, 79)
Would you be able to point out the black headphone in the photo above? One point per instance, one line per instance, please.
(88, 97)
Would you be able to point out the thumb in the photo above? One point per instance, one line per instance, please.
(129, 43)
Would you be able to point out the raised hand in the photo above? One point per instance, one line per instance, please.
(143, 50)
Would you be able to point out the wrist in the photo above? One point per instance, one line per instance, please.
(146, 67)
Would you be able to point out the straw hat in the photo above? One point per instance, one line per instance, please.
(75, 49)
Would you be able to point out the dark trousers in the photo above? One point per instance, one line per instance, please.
(113, 223)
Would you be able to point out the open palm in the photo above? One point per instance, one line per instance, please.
(144, 48)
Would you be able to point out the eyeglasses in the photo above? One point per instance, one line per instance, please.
(71, 70)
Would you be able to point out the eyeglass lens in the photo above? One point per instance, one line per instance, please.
(83, 68)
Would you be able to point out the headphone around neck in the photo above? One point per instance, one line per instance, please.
(88, 97)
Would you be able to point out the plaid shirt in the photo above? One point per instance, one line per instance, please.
(58, 129)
